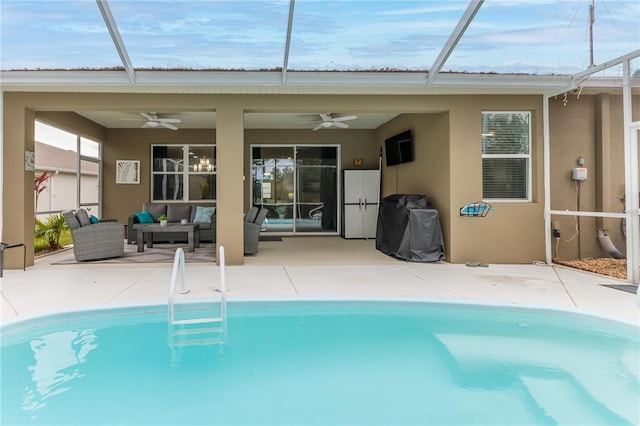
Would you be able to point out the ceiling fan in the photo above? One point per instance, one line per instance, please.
(152, 120)
(326, 121)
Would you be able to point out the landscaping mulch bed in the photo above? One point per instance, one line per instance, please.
(616, 268)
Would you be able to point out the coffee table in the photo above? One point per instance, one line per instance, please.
(147, 231)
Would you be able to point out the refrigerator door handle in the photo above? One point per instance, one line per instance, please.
(360, 203)
(365, 203)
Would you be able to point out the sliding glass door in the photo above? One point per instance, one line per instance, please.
(298, 184)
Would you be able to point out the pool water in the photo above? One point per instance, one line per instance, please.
(367, 363)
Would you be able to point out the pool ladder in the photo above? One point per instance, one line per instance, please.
(188, 329)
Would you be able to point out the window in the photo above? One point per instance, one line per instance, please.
(171, 180)
(506, 156)
(72, 166)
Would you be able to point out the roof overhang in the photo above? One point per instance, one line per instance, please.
(270, 82)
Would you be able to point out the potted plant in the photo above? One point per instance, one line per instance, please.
(281, 211)
(163, 220)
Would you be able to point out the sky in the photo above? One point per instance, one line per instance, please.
(506, 36)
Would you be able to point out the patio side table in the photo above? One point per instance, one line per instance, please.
(5, 246)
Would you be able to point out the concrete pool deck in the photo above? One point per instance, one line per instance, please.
(313, 268)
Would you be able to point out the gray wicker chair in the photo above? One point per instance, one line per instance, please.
(252, 232)
(94, 241)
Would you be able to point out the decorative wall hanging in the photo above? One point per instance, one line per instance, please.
(128, 171)
(29, 161)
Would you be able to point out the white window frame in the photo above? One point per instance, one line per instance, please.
(527, 157)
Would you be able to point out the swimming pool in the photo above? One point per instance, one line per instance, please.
(331, 362)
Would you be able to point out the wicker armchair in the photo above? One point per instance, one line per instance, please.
(252, 232)
(94, 241)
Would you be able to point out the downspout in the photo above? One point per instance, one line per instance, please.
(607, 245)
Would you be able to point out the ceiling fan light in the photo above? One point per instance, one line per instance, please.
(326, 124)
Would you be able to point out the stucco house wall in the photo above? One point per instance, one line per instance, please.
(588, 127)
(448, 165)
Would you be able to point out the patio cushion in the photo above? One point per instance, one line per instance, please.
(203, 214)
(156, 210)
(144, 217)
(176, 212)
(71, 219)
(251, 214)
(83, 217)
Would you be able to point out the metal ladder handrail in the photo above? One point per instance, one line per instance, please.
(223, 285)
(179, 266)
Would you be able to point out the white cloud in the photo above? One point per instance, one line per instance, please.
(348, 34)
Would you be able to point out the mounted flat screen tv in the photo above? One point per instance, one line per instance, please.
(399, 148)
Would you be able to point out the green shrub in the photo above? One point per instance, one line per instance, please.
(50, 232)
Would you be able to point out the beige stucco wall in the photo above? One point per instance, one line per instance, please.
(448, 166)
(122, 200)
(513, 232)
(591, 127)
(429, 173)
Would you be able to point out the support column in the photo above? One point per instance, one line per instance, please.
(17, 189)
(632, 199)
(230, 182)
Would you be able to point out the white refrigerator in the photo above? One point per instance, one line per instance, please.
(360, 202)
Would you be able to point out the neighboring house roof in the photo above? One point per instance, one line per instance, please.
(49, 157)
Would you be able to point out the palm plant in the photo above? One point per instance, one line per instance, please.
(51, 230)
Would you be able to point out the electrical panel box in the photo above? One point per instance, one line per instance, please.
(579, 173)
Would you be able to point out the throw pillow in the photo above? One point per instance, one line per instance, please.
(203, 214)
(175, 212)
(83, 217)
(144, 217)
(156, 210)
(94, 219)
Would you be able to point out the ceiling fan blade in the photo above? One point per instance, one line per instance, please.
(339, 124)
(345, 118)
(309, 122)
(319, 126)
(168, 120)
(325, 117)
(150, 124)
(149, 117)
(167, 125)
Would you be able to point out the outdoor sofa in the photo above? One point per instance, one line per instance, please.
(252, 225)
(175, 212)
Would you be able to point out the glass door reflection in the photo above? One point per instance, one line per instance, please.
(273, 176)
(316, 189)
(298, 185)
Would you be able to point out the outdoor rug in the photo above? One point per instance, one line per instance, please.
(629, 288)
(160, 253)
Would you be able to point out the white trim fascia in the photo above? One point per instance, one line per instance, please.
(271, 82)
(62, 78)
